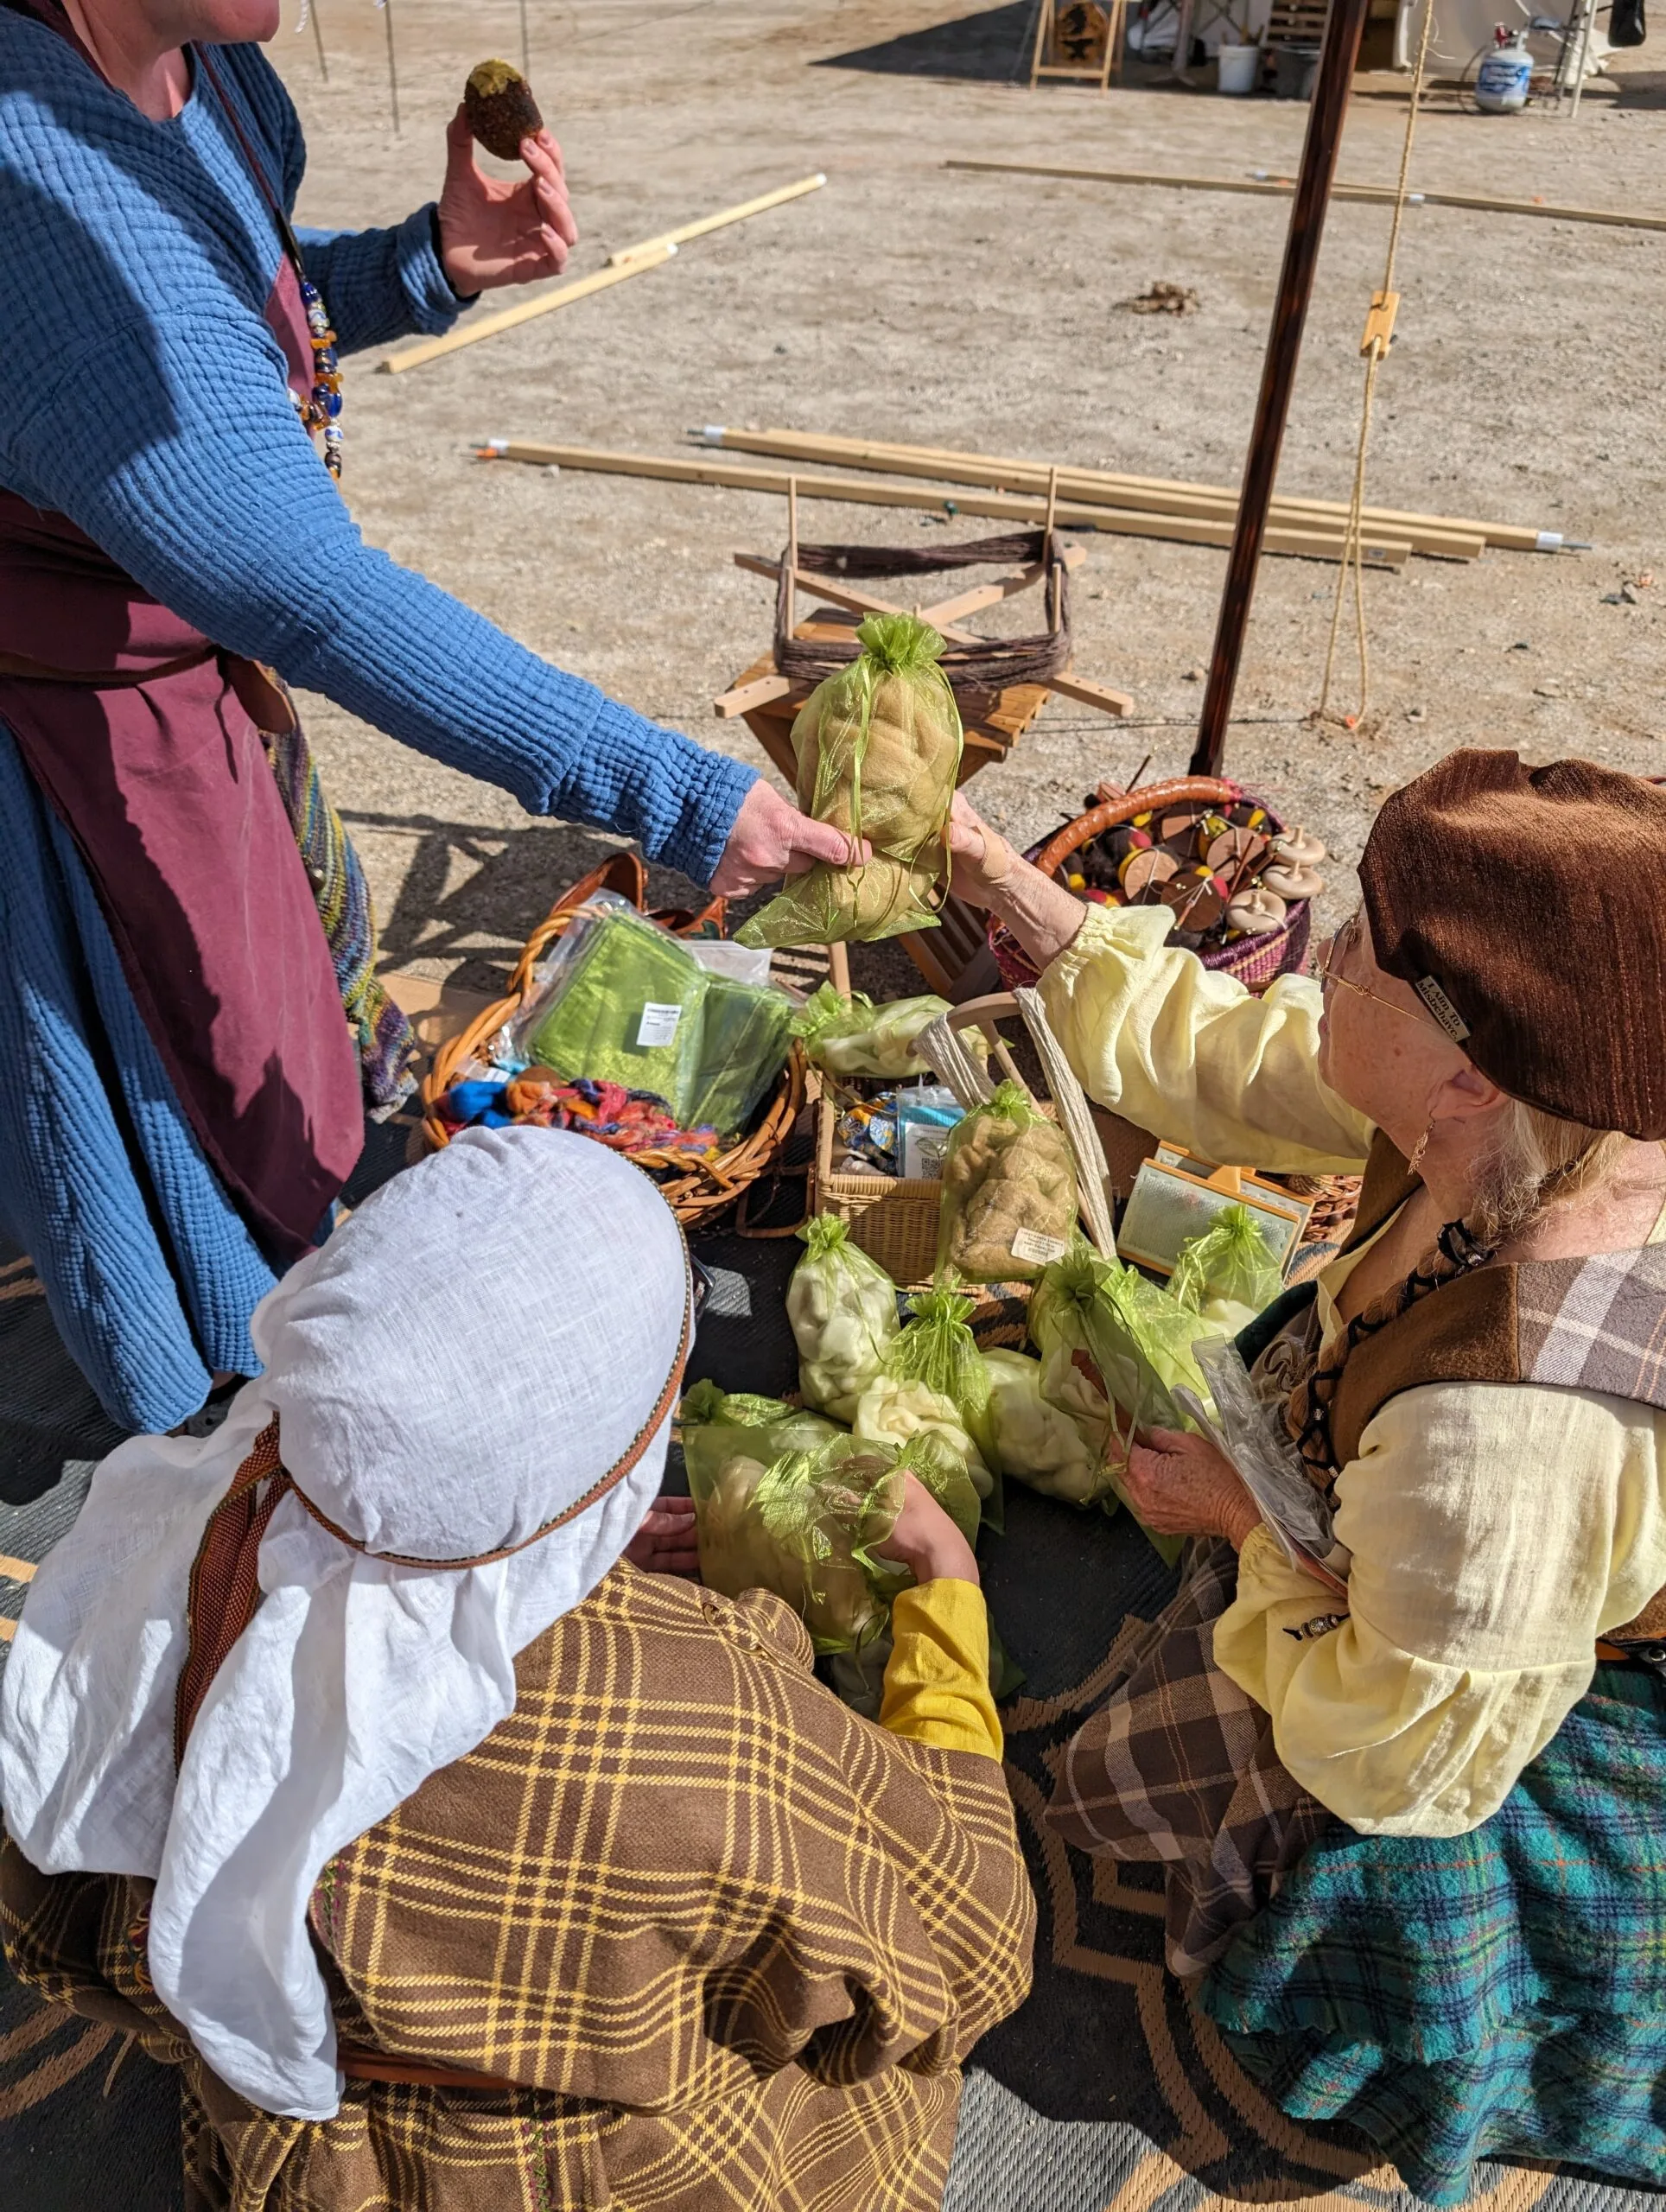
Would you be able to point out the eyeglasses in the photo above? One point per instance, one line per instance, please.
(1327, 964)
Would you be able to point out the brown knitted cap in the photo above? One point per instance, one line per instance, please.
(1527, 907)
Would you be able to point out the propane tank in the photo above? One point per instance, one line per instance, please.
(1501, 82)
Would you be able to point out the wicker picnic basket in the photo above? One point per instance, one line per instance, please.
(698, 1190)
(1254, 961)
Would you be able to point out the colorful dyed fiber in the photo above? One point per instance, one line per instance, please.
(627, 1121)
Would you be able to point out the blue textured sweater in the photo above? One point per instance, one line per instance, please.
(142, 395)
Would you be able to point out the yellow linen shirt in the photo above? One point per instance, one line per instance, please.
(1497, 1530)
(937, 1679)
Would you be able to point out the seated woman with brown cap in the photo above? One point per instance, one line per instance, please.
(349, 1764)
(1415, 1837)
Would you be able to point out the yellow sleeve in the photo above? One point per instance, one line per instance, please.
(1189, 1054)
(1497, 1531)
(937, 1679)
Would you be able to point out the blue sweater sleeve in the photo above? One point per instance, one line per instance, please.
(380, 285)
(172, 444)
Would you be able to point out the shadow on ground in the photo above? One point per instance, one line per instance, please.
(991, 48)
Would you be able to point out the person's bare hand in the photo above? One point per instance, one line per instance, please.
(926, 1541)
(1181, 1485)
(981, 858)
(771, 839)
(666, 1544)
(493, 231)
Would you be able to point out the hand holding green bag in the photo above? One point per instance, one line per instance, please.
(878, 747)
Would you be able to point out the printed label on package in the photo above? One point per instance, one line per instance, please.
(658, 1025)
(1040, 1251)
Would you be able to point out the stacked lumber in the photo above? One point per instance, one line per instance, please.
(1313, 541)
(1438, 536)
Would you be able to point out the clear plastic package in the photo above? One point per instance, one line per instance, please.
(625, 1007)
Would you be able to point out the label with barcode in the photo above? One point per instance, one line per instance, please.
(658, 1025)
(1040, 1251)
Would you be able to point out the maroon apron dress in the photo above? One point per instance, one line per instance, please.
(137, 731)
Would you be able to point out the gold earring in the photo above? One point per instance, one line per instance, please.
(1422, 1146)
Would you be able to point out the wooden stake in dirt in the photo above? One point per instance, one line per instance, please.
(311, 8)
(386, 7)
(1316, 543)
(629, 261)
(1336, 61)
(1282, 188)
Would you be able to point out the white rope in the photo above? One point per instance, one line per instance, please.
(1377, 350)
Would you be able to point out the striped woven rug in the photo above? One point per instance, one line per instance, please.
(1104, 2094)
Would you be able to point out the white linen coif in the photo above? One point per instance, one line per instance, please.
(465, 1358)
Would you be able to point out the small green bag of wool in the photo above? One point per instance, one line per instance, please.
(1228, 1273)
(804, 1525)
(746, 1033)
(878, 747)
(842, 1308)
(628, 1010)
(715, 1424)
(936, 1358)
(853, 1037)
(1008, 1204)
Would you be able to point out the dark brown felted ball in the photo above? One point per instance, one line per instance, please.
(500, 108)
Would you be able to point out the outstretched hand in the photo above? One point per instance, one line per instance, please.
(926, 1541)
(493, 231)
(771, 839)
(666, 1544)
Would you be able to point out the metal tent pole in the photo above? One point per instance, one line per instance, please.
(1296, 287)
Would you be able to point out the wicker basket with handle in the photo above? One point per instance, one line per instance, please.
(698, 1190)
(1254, 961)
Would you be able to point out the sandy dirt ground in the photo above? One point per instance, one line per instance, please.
(908, 300)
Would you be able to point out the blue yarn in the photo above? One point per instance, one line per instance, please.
(142, 395)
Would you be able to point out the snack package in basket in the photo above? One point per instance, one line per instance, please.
(843, 1306)
(1135, 1338)
(853, 1037)
(1228, 1273)
(934, 1381)
(625, 1008)
(805, 1524)
(1008, 1191)
(878, 748)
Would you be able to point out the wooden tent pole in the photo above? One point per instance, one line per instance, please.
(1278, 376)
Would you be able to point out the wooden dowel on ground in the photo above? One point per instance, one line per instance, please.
(629, 261)
(791, 553)
(704, 224)
(1437, 536)
(1315, 543)
(1265, 187)
(524, 311)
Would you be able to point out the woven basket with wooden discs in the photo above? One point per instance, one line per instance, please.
(696, 1189)
(1254, 961)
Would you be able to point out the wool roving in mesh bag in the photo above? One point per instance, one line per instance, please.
(878, 747)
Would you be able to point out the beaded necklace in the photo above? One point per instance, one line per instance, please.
(321, 410)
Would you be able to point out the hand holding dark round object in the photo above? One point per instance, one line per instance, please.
(501, 110)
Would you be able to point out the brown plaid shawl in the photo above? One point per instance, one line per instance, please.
(734, 1941)
(1178, 1769)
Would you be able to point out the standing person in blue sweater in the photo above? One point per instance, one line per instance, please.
(182, 922)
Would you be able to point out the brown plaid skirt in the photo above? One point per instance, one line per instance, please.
(1178, 1769)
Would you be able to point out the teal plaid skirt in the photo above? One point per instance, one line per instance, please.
(1503, 1992)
